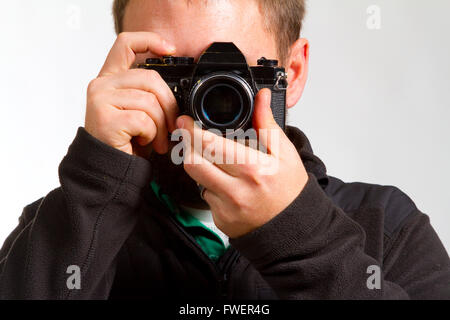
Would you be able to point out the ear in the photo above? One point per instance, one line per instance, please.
(297, 69)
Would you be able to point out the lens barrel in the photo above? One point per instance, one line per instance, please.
(222, 100)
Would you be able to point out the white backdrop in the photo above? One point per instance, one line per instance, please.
(376, 107)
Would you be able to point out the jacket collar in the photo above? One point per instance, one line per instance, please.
(312, 163)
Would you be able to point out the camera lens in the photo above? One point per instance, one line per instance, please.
(222, 104)
(222, 101)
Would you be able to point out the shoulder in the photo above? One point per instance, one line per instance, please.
(29, 212)
(395, 205)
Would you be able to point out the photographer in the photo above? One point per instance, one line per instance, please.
(127, 222)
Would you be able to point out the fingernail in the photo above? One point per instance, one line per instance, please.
(180, 123)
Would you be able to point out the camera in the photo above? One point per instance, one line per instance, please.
(219, 90)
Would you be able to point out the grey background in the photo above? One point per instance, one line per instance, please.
(376, 107)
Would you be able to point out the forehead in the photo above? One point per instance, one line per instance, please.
(193, 25)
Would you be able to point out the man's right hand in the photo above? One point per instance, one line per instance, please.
(124, 103)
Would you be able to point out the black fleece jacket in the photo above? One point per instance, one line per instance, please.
(105, 219)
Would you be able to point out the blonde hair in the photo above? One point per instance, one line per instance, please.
(284, 20)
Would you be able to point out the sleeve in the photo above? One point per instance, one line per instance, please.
(66, 244)
(313, 250)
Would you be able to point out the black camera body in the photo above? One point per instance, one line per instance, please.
(219, 90)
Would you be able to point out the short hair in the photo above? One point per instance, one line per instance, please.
(283, 19)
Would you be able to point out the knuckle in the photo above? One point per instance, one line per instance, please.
(159, 118)
(257, 180)
(152, 75)
(123, 37)
(150, 100)
(102, 118)
(141, 98)
(253, 173)
(92, 86)
(129, 117)
(141, 118)
(237, 200)
(95, 100)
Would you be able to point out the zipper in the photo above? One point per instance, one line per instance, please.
(162, 208)
(221, 274)
(194, 243)
(223, 284)
(229, 263)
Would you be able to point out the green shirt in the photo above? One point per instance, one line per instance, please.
(209, 241)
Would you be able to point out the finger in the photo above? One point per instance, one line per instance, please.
(207, 174)
(269, 132)
(123, 52)
(136, 123)
(235, 158)
(131, 99)
(212, 198)
(203, 171)
(150, 81)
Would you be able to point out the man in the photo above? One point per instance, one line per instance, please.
(128, 223)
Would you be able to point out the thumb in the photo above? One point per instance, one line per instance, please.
(262, 115)
(269, 132)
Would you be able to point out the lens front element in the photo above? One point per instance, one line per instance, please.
(222, 101)
(222, 105)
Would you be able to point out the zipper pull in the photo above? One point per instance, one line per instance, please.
(224, 286)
